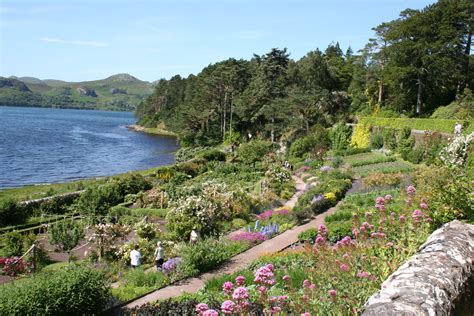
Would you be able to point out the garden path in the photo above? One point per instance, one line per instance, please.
(276, 244)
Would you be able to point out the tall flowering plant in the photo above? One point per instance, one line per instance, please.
(455, 154)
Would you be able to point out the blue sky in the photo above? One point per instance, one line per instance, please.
(152, 39)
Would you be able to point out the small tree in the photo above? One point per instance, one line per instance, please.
(66, 234)
(254, 151)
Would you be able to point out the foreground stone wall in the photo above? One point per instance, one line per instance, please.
(438, 280)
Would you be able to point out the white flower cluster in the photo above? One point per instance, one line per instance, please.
(455, 154)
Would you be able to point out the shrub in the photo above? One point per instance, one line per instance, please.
(340, 137)
(337, 161)
(66, 234)
(378, 179)
(212, 155)
(416, 155)
(389, 138)
(12, 244)
(72, 291)
(376, 140)
(338, 230)
(303, 146)
(254, 151)
(303, 214)
(308, 235)
(360, 136)
(11, 212)
(405, 142)
(206, 255)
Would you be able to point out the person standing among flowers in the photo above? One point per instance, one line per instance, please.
(194, 237)
(135, 257)
(159, 256)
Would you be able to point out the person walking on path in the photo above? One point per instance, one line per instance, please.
(159, 256)
(135, 257)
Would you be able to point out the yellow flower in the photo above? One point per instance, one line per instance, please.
(330, 196)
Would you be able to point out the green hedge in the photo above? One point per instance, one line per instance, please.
(439, 125)
(71, 291)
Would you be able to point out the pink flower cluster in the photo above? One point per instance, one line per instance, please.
(411, 191)
(380, 204)
(250, 237)
(269, 213)
(240, 280)
(264, 275)
(227, 287)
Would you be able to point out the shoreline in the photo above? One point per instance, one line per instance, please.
(151, 130)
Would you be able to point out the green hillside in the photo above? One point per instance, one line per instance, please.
(118, 92)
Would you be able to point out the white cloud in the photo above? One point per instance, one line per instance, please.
(74, 42)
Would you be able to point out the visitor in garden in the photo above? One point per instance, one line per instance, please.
(159, 256)
(135, 257)
(193, 239)
(457, 128)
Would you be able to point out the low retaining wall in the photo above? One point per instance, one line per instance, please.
(438, 280)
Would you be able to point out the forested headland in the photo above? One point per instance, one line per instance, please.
(419, 65)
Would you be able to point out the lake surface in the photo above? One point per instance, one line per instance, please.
(39, 145)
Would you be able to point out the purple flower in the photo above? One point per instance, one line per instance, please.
(286, 278)
(228, 307)
(380, 200)
(332, 293)
(424, 205)
(411, 190)
(388, 198)
(210, 312)
(264, 275)
(227, 287)
(402, 218)
(306, 283)
(325, 168)
(429, 220)
(363, 275)
(201, 308)
(240, 293)
(240, 280)
(170, 265)
(344, 267)
(317, 198)
(249, 237)
(265, 215)
(323, 230)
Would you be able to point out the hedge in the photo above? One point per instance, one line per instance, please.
(438, 125)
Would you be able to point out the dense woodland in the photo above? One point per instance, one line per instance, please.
(413, 66)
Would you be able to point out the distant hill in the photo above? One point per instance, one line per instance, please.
(118, 92)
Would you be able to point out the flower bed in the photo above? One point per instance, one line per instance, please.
(354, 267)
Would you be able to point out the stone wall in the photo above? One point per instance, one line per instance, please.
(438, 280)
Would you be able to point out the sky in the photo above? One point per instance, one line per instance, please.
(151, 39)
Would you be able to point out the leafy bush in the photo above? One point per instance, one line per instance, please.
(405, 142)
(340, 137)
(212, 155)
(376, 139)
(389, 138)
(206, 255)
(361, 136)
(308, 235)
(302, 147)
(136, 282)
(337, 161)
(254, 151)
(12, 244)
(378, 179)
(187, 153)
(72, 291)
(97, 200)
(415, 156)
(338, 230)
(66, 234)
(11, 212)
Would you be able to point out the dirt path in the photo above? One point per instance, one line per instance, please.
(236, 263)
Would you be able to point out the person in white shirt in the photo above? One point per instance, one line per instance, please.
(194, 237)
(135, 257)
(159, 256)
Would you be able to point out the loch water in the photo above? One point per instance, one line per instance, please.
(44, 145)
